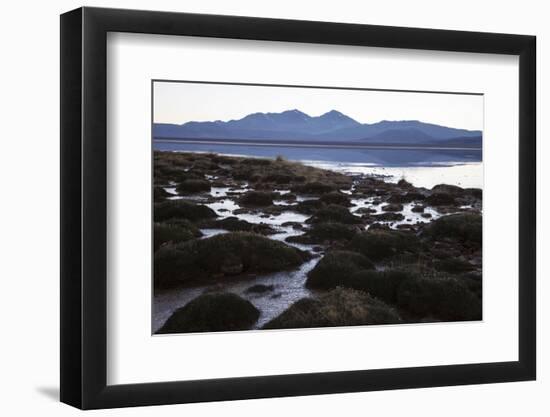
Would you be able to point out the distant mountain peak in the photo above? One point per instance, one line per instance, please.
(294, 113)
(338, 117)
(334, 113)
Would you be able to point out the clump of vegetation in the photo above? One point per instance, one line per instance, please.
(180, 209)
(453, 265)
(234, 224)
(203, 163)
(443, 298)
(223, 159)
(315, 188)
(192, 186)
(306, 174)
(309, 206)
(280, 178)
(365, 211)
(245, 173)
(325, 232)
(336, 268)
(160, 194)
(173, 233)
(223, 256)
(392, 207)
(403, 183)
(336, 197)
(447, 189)
(339, 307)
(473, 281)
(380, 284)
(464, 227)
(263, 162)
(380, 244)
(441, 199)
(334, 214)
(256, 198)
(386, 217)
(167, 169)
(212, 313)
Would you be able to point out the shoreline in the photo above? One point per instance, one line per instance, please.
(385, 171)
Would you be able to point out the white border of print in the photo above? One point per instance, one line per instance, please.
(134, 356)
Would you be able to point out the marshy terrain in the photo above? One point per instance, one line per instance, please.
(257, 243)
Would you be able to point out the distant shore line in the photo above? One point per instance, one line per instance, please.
(303, 144)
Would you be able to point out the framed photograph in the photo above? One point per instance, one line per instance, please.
(257, 208)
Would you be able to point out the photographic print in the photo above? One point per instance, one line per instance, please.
(288, 207)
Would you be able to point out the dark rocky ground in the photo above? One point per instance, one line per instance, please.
(389, 252)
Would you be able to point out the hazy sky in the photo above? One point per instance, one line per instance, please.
(183, 102)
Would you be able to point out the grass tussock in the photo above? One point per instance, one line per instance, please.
(465, 228)
(212, 313)
(180, 209)
(257, 199)
(221, 257)
(339, 307)
(336, 268)
(444, 298)
(234, 224)
(309, 206)
(381, 284)
(192, 186)
(335, 214)
(380, 244)
(313, 188)
(172, 233)
(453, 265)
(337, 198)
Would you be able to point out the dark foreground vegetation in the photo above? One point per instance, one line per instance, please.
(375, 265)
(221, 257)
(211, 313)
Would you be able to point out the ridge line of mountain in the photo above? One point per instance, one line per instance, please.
(333, 125)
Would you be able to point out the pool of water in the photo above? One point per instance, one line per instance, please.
(288, 287)
(410, 217)
(421, 168)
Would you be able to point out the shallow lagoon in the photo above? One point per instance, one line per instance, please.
(288, 286)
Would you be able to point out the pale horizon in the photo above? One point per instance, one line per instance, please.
(182, 102)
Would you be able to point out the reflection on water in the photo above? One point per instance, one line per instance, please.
(465, 175)
(381, 157)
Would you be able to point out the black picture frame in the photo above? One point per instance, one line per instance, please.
(84, 207)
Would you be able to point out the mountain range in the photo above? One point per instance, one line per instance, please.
(333, 126)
